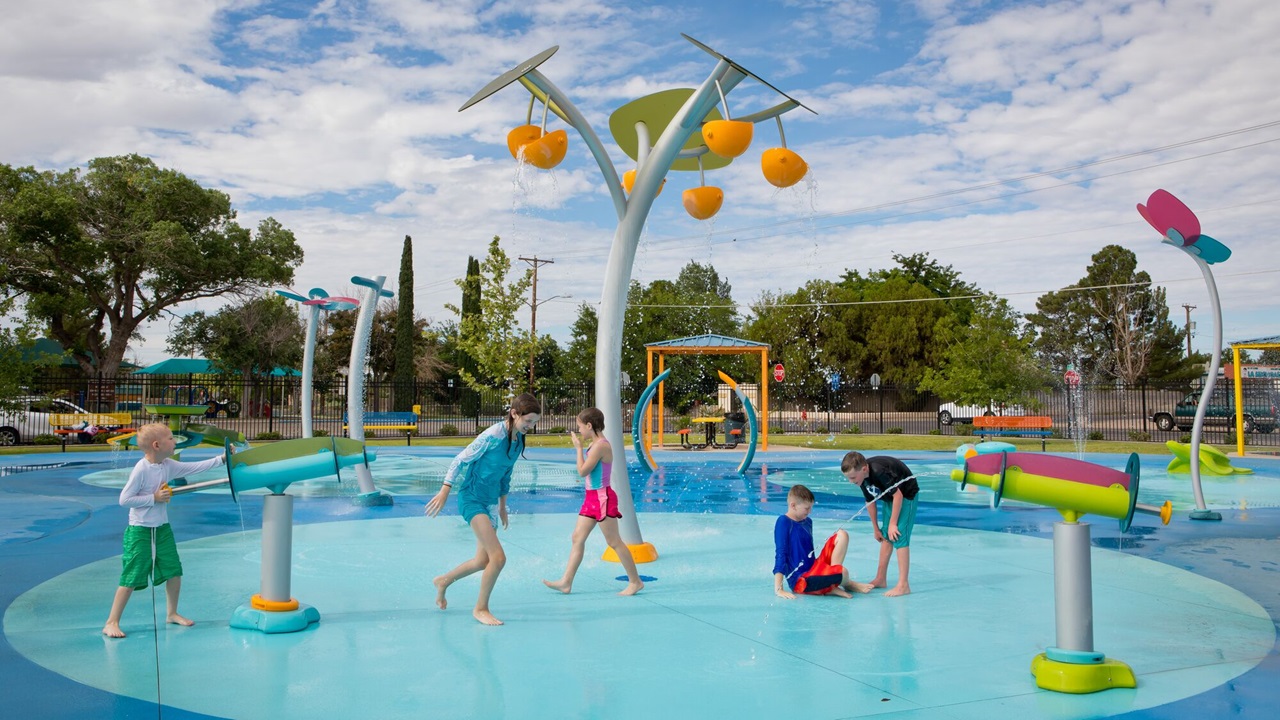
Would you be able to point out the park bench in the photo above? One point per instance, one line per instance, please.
(1014, 425)
(69, 425)
(403, 421)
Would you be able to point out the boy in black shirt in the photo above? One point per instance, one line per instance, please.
(890, 481)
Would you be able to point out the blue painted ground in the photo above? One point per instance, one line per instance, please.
(1190, 606)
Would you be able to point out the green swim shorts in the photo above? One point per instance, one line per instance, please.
(906, 521)
(137, 557)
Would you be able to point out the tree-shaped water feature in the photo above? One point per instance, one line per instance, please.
(679, 129)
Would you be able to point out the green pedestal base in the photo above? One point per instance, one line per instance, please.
(1210, 515)
(1081, 678)
(247, 617)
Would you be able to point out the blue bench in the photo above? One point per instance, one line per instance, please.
(405, 421)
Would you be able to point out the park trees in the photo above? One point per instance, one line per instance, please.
(988, 359)
(95, 254)
(492, 337)
(407, 334)
(1111, 324)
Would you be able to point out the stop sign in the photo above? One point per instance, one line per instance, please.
(779, 372)
(1072, 377)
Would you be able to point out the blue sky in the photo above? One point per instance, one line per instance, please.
(1010, 140)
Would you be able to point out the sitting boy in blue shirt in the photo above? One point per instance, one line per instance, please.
(793, 558)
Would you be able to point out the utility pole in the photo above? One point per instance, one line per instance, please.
(533, 312)
(1189, 308)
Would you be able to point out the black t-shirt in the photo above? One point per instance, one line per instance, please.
(885, 471)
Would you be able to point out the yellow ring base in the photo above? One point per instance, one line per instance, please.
(257, 602)
(642, 553)
(1079, 679)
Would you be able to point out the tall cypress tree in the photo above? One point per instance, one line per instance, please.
(405, 331)
(470, 308)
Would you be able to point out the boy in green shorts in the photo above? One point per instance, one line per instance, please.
(888, 480)
(150, 552)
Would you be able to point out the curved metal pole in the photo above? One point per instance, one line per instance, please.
(1202, 512)
(308, 370)
(537, 83)
(617, 277)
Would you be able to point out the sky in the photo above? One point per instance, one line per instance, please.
(1009, 140)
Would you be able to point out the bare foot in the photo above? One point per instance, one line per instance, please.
(485, 617)
(112, 630)
(899, 591)
(878, 582)
(859, 587)
(176, 619)
(441, 585)
(560, 585)
(840, 592)
(632, 588)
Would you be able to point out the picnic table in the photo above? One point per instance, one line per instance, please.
(710, 424)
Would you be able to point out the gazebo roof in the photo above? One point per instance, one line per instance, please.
(707, 341)
(1274, 340)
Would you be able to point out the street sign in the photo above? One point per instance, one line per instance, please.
(779, 373)
(835, 381)
(875, 381)
(1072, 377)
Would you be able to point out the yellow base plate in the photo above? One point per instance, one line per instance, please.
(643, 553)
(1076, 678)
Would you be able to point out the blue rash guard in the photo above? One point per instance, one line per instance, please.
(482, 471)
(792, 548)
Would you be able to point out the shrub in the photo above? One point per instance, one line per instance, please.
(319, 432)
(935, 431)
(273, 435)
(964, 430)
(852, 430)
(777, 430)
(449, 430)
(1139, 436)
(557, 430)
(1096, 435)
(1230, 439)
(46, 439)
(1057, 434)
(893, 431)
(682, 422)
(1185, 438)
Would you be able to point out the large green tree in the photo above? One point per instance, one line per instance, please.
(989, 359)
(493, 337)
(1112, 324)
(95, 254)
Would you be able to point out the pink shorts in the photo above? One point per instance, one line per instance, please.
(600, 504)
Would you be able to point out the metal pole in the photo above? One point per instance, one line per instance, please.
(1072, 586)
(277, 546)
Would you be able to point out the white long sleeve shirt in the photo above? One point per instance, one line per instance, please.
(139, 493)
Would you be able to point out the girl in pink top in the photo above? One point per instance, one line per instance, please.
(600, 507)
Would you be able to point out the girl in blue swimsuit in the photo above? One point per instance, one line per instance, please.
(599, 507)
(483, 474)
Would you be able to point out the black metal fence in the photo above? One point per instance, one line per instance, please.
(270, 407)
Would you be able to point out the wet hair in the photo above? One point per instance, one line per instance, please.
(853, 460)
(150, 433)
(523, 404)
(800, 493)
(593, 417)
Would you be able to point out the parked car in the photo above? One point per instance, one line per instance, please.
(949, 413)
(31, 418)
(1259, 411)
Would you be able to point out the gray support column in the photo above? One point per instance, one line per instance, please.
(1073, 586)
(277, 547)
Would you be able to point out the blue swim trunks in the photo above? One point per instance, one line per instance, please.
(469, 507)
(906, 521)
